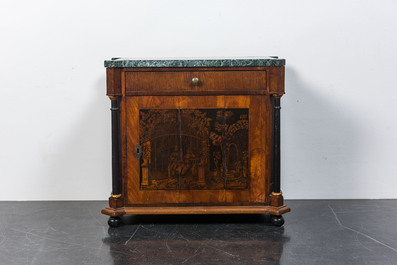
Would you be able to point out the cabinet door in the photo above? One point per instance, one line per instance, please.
(201, 149)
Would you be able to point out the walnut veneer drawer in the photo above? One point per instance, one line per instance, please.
(192, 81)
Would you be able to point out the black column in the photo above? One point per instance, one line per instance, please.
(276, 145)
(116, 161)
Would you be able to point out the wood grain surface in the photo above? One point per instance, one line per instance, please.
(218, 89)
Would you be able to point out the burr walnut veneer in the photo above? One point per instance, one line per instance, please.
(198, 136)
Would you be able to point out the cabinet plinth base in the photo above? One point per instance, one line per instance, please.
(197, 210)
(116, 202)
(276, 200)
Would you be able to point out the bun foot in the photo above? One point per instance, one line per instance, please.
(114, 221)
(277, 220)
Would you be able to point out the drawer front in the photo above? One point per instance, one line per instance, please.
(194, 81)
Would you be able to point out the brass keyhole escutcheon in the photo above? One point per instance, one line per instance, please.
(195, 81)
(138, 151)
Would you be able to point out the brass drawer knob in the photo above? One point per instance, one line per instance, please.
(195, 81)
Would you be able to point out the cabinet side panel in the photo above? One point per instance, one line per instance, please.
(132, 165)
(261, 148)
(276, 80)
(113, 81)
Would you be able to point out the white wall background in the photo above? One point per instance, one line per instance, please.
(339, 129)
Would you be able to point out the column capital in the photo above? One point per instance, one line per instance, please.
(112, 97)
(277, 95)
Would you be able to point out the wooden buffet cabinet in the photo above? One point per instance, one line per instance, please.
(195, 136)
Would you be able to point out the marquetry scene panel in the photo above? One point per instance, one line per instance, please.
(194, 149)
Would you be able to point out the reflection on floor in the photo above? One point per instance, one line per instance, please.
(316, 232)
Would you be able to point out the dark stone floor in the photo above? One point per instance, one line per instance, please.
(316, 232)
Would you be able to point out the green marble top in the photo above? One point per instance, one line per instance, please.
(195, 62)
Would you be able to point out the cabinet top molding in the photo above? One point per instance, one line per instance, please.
(195, 62)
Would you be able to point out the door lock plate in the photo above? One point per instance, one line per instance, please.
(138, 151)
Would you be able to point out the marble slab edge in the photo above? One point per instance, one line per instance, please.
(126, 63)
